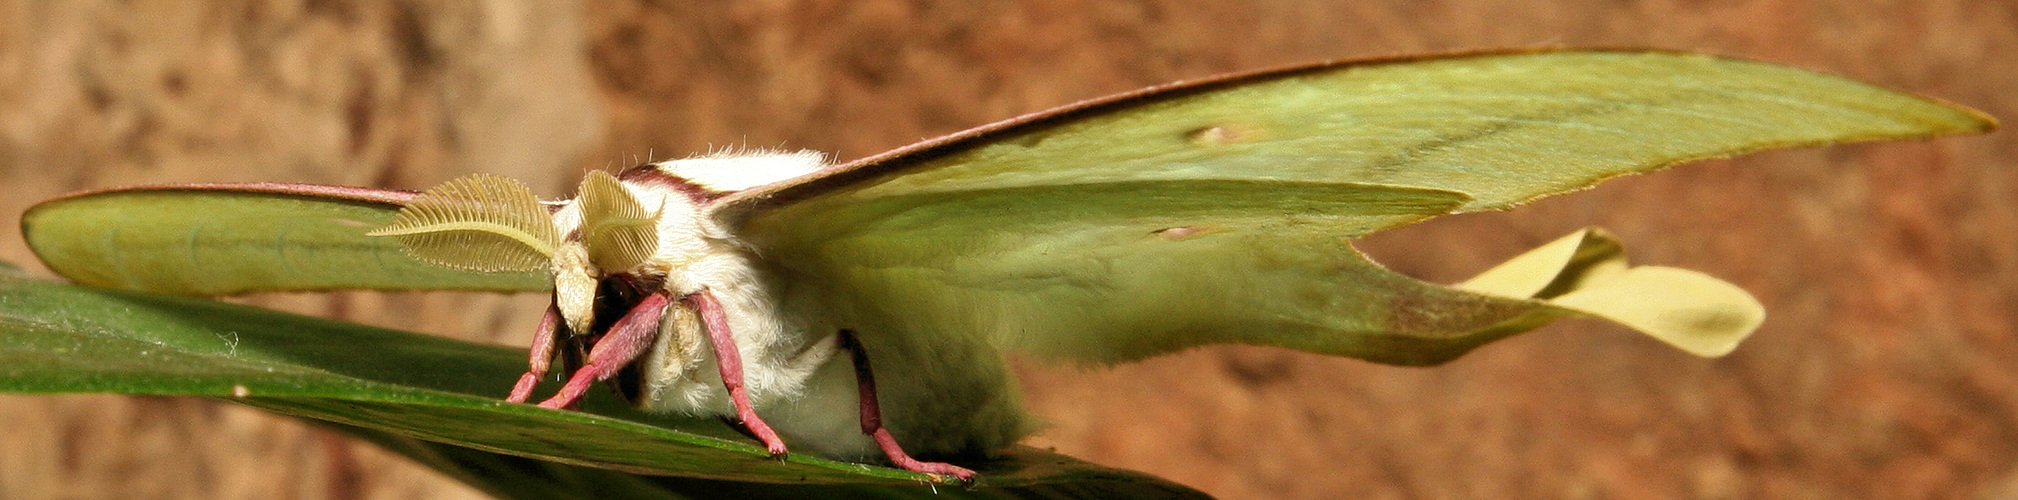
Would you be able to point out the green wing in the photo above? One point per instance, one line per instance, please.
(221, 239)
(1217, 211)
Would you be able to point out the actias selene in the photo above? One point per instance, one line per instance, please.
(1213, 211)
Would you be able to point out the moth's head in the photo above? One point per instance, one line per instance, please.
(490, 223)
(575, 280)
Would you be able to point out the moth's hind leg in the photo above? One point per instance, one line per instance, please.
(629, 338)
(872, 417)
(542, 355)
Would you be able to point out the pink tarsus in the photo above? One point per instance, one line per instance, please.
(730, 361)
(872, 417)
(542, 355)
(626, 340)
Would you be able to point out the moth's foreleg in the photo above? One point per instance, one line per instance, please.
(629, 338)
(872, 417)
(542, 355)
(731, 363)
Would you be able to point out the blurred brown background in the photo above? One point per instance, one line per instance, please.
(1888, 367)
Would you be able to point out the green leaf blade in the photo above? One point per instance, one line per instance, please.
(66, 339)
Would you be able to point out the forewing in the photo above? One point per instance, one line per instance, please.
(1502, 127)
(222, 239)
(920, 240)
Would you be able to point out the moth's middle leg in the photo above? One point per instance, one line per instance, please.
(730, 361)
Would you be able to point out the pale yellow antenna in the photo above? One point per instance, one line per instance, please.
(619, 233)
(480, 222)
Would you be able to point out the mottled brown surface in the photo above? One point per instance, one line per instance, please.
(1888, 366)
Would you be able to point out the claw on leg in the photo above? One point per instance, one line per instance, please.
(542, 356)
(872, 417)
(629, 338)
(730, 361)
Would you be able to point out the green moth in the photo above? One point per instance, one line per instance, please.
(760, 285)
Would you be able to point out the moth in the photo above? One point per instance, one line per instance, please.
(863, 310)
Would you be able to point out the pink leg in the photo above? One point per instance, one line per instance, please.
(626, 340)
(543, 355)
(731, 363)
(872, 417)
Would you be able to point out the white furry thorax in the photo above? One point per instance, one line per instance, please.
(693, 247)
(695, 252)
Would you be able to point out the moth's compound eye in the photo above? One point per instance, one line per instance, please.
(479, 222)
